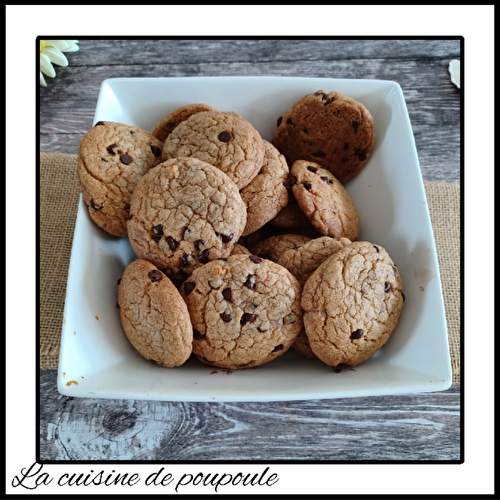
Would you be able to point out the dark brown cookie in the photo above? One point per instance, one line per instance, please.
(332, 130)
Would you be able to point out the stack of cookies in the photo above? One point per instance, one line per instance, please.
(245, 248)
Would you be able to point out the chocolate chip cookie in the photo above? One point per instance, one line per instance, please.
(154, 315)
(325, 201)
(266, 195)
(303, 260)
(332, 130)
(112, 159)
(165, 126)
(224, 140)
(245, 311)
(185, 213)
(240, 250)
(272, 248)
(352, 304)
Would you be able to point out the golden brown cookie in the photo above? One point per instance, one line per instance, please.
(112, 159)
(291, 217)
(324, 201)
(306, 258)
(245, 311)
(166, 125)
(301, 345)
(271, 248)
(266, 195)
(352, 304)
(332, 130)
(240, 250)
(154, 315)
(185, 213)
(225, 140)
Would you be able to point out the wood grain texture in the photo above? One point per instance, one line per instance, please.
(408, 427)
(67, 105)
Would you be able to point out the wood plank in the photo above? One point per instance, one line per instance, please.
(371, 428)
(130, 52)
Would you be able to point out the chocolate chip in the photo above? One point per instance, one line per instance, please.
(156, 237)
(224, 136)
(344, 160)
(125, 159)
(227, 238)
(198, 335)
(357, 334)
(319, 154)
(226, 317)
(255, 259)
(329, 101)
(95, 206)
(290, 181)
(325, 179)
(322, 94)
(126, 207)
(278, 348)
(312, 169)
(355, 125)
(304, 130)
(290, 122)
(280, 121)
(102, 159)
(248, 283)
(172, 244)
(227, 294)
(330, 182)
(156, 151)
(99, 123)
(158, 229)
(361, 154)
(376, 248)
(248, 318)
(189, 286)
(338, 368)
(387, 287)
(132, 132)
(203, 257)
(131, 217)
(199, 243)
(154, 275)
(307, 185)
(111, 149)
(346, 146)
(184, 259)
(119, 281)
(403, 295)
(118, 306)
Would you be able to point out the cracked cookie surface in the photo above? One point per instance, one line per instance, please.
(112, 159)
(154, 316)
(324, 201)
(352, 304)
(166, 125)
(224, 140)
(272, 248)
(239, 249)
(185, 213)
(266, 195)
(245, 311)
(332, 130)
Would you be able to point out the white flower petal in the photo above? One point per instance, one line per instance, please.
(56, 56)
(46, 67)
(58, 44)
(42, 80)
(454, 69)
(72, 48)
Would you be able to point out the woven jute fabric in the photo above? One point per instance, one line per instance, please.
(59, 193)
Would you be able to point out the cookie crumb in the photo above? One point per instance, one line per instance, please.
(97, 318)
(71, 382)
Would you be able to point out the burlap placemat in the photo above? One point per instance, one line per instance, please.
(59, 195)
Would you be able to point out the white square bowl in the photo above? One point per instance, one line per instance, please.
(390, 198)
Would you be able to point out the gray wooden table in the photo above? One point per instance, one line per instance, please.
(411, 427)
